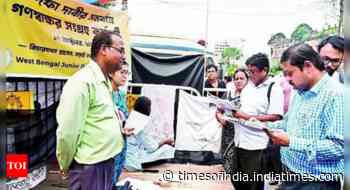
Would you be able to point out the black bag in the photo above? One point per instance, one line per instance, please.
(271, 158)
(230, 158)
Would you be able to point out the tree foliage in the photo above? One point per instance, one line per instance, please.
(231, 53)
(338, 4)
(275, 67)
(276, 38)
(230, 69)
(302, 32)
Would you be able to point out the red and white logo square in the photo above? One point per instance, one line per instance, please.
(16, 165)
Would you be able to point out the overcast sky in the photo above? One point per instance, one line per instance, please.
(254, 21)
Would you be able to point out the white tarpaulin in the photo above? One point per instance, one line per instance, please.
(197, 128)
(161, 124)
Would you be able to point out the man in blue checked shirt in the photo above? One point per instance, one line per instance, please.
(312, 135)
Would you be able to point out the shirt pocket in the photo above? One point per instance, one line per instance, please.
(308, 124)
(103, 104)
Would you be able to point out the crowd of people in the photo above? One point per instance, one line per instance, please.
(300, 112)
(303, 112)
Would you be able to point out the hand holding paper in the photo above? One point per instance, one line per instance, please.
(278, 137)
(251, 123)
(222, 104)
(220, 118)
(136, 121)
(128, 131)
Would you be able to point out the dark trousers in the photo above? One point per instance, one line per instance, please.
(249, 162)
(91, 176)
(271, 159)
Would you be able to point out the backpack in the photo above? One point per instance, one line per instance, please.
(269, 92)
(271, 157)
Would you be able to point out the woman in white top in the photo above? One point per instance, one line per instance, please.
(240, 80)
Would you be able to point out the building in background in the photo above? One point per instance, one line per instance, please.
(278, 45)
(219, 48)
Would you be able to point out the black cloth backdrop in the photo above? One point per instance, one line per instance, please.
(180, 70)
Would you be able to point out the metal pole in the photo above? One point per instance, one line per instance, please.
(207, 24)
(206, 44)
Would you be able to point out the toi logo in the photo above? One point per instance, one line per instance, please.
(16, 165)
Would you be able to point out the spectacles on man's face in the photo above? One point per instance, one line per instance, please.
(120, 50)
(334, 62)
(253, 71)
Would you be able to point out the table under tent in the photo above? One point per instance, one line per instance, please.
(168, 70)
(163, 67)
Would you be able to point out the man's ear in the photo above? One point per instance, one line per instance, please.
(266, 69)
(103, 49)
(308, 66)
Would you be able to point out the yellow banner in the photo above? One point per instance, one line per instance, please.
(21, 100)
(52, 38)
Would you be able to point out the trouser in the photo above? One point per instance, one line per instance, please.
(271, 159)
(308, 185)
(91, 176)
(249, 162)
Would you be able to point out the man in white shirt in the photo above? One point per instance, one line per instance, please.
(262, 100)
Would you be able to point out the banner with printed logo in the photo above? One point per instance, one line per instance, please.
(52, 38)
(20, 100)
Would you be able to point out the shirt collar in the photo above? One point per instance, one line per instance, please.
(316, 89)
(264, 84)
(100, 77)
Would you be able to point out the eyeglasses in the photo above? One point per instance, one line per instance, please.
(333, 62)
(252, 71)
(120, 50)
(125, 72)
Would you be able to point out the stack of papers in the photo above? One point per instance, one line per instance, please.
(248, 123)
(223, 104)
(137, 120)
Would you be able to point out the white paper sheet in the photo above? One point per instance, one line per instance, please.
(224, 104)
(138, 184)
(197, 128)
(137, 120)
(247, 123)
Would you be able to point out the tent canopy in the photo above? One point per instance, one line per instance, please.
(168, 60)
